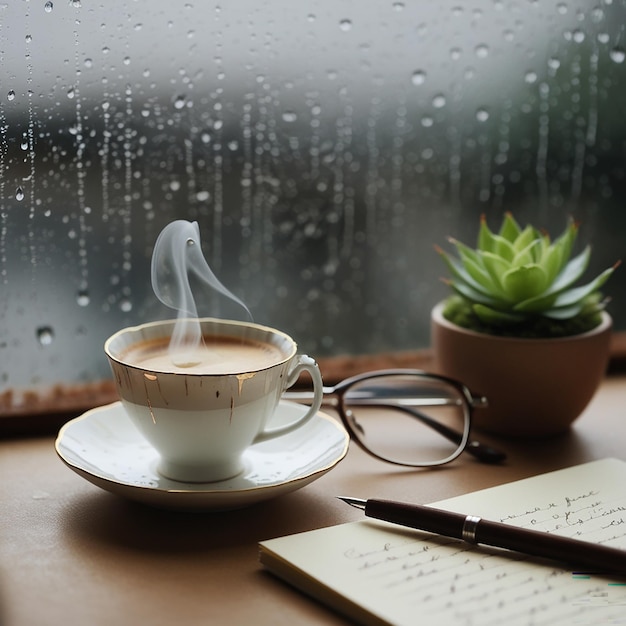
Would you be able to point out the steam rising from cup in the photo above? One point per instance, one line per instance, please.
(178, 253)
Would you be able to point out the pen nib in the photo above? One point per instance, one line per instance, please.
(357, 503)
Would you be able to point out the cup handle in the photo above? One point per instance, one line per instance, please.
(303, 363)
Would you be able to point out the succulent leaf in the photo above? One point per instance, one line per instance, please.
(510, 229)
(472, 294)
(525, 239)
(524, 282)
(527, 255)
(578, 294)
(464, 274)
(494, 317)
(496, 267)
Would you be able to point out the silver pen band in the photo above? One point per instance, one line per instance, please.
(468, 532)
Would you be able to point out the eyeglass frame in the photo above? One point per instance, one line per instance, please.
(334, 396)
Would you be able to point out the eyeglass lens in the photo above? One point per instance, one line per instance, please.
(407, 418)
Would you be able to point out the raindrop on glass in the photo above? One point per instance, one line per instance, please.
(530, 77)
(418, 77)
(554, 63)
(290, 116)
(617, 55)
(19, 194)
(180, 102)
(48, 7)
(45, 335)
(482, 115)
(126, 305)
(82, 298)
(11, 95)
(482, 51)
(439, 101)
(398, 6)
(345, 25)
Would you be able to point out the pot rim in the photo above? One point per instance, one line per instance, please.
(437, 317)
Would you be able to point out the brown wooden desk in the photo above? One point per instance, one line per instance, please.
(73, 554)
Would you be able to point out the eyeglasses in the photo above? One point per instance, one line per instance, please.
(408, 417)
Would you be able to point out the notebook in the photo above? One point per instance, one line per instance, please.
(379, 573)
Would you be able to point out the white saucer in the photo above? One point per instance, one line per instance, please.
(104, 447)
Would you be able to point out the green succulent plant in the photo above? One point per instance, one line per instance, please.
(518, 278)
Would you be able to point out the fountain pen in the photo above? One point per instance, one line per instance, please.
(473, 529)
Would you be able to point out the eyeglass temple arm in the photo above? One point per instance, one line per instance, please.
(480, 451)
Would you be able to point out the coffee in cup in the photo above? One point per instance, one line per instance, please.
(203, 408)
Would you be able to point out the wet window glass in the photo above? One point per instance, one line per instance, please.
(324, 148)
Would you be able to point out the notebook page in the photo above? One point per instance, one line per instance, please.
(406, 577)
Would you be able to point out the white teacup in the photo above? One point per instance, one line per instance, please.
(203, 415)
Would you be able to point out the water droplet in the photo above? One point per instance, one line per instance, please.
(126, 305)
(455, 53)
(418, 77)
(439, 101)
(71, 93)
(203, 196)
(82, 297)
(398, 6)
(29, 38)
(578, 36)
(88, 63)
(19, 194)
(290, 116)
(617, 55)
(482, 115)
(481, 51)
(180, 102)
(427, 122)
(190, 242)
(561, 8)
(175, 185)
(554, 63)
(48, 7)
(45, 335)
(604, 37)
(11, 95)
(345, 25)
(530, 77)
(76, 4)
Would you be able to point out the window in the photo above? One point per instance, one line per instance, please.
(323, 148)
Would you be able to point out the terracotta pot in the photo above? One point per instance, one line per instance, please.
(535, 387)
